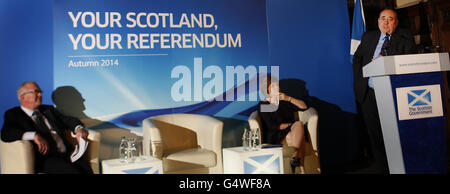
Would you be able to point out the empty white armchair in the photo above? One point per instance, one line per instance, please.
(310, 118)
(186, 143)
(18, 157)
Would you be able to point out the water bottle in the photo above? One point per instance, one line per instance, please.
(123, 150)
(256, 139)
(131, 150)
(245, 140)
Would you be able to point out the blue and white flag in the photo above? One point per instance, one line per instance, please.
(358, 27)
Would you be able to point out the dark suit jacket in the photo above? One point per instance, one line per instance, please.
(17, 122)
(402, 42)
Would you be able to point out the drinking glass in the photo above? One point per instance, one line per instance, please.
(246, 137)
(256, 139)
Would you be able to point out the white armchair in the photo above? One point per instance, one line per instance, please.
(18, 157)
(186, 143)
(310, 117)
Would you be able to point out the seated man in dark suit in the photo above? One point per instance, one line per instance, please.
(44, 125)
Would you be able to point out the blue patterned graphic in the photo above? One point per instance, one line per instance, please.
(133, 120)
(262, 164)
(137, 171)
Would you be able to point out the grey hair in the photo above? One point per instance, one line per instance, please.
(21, 88)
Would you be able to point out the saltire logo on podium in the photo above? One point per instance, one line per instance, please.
(419, 97)
(419, 102)
(147, 170)
(263, 164)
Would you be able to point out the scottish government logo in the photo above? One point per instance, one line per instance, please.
(419, 102)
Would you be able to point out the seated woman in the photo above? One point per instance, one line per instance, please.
(280, 126)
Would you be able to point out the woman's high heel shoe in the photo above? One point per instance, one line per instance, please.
(295, 161)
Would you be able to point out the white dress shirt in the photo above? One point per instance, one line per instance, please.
(377, 53)
(30, 135)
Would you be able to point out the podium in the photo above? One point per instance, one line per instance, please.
(409, 92)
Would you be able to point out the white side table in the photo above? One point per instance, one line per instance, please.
(143, 165)
(263, 161)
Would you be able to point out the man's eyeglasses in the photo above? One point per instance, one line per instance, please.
(390, 19)
(32, 91)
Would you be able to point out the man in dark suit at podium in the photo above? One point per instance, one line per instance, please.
(387, 41)
(43, 125)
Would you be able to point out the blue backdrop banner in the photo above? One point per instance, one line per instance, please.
(133, 60)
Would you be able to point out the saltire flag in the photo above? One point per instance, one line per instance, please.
(358, 27)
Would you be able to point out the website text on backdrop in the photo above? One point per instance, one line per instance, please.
(44, 127)
(388, 40)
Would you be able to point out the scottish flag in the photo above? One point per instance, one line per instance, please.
(358, 27)
(419, 97)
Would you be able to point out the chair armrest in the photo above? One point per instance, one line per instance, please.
(151, 141)
(93, 148)
(209, 136)
(311, 118)
(254, 121)
(94, 135)
(17, 157)
(207, 128)
(209, 132)
(305, 116)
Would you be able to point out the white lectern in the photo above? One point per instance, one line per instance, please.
(409, 91)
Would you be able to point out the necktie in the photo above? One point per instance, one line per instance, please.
(39, 120)
(45, 131)
(386, 43)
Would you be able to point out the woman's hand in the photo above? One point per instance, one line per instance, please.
(284, 97)
(297, 102)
